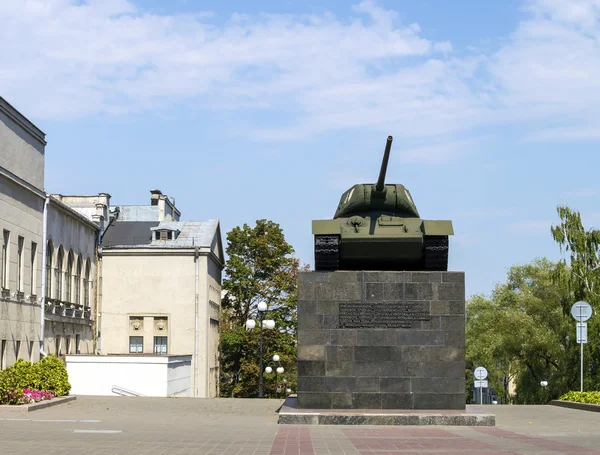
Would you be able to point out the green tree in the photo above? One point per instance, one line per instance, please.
(581, 274)
(522, 334)
(260, 267)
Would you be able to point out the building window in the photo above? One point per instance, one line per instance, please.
(136, 345)
(4, 271)
(78, 279)
(160, 345)
(31, 351)
(59, 267)
(68, 344)
(33, 268)
(49, 253)
(17, 349)
(69, 276)
(86, 284)
(58, 346)
(3, 355)
(20, 242)
(77, 344)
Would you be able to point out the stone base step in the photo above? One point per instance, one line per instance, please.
(289, 414)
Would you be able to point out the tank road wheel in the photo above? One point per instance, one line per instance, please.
(436, 252)
(327, 252)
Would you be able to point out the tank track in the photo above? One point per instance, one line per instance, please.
(327, 252)
(436, 253)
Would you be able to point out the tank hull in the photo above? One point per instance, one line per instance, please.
(381, 243)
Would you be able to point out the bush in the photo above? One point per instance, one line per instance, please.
(47, 375)
(14, 380)
(582, 397)
(51, 376)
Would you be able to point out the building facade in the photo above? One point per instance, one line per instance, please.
(48, 254)
(161, 288)
(22, 200)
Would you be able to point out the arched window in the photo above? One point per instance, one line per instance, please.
(69, 276)
(78, 279)
(49, 254)
(86, 284)
(59, 272)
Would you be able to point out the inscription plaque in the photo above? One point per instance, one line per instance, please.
(385, 315)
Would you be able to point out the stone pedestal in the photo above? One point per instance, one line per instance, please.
(381, 340)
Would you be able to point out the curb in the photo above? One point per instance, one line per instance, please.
(575, 405)
(36, 406)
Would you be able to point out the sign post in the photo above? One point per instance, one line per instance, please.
(581, 312)
(480, 373)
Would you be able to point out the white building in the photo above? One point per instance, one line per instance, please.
(48, 254)
(161, 288)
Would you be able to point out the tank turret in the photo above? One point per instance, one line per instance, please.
(377, 226)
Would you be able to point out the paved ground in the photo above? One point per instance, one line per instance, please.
(124, 425)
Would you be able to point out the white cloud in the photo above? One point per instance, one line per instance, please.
(314, 73)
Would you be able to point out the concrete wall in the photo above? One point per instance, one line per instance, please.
(381, 340)
(22, 146)
(153, 376)
(21, 213)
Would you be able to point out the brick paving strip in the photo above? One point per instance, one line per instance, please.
(292, 441)
(414, 441)
(546, 444)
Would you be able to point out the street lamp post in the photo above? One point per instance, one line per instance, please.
(268, 324)
(544, 384)
(278, 370)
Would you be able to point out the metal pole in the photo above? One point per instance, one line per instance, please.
(581, 343)
(480, 395)
(260, 375)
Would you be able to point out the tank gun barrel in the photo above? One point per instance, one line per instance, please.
(386, 156)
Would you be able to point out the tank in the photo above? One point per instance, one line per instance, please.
(377, 227)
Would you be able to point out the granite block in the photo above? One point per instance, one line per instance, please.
(395, 385)
(311, 383)
(366, 400)
(397, 401)
(374, 291)
(455, 323)
(306, 307)
(394, 291)
(311, 352)
(419, 291)
(439, 400)
(314, 400)
(453, 277)
(330, 321)
(345, 276)
(345, 384)
(379, 277)
(341, 401)
(343, 337)
(312, 277)
(375, 337)
(368, 384)
(327, 307)
(310, 322)
(450, 291)
(311, 368)
(437, 385)
(311, 337)
(340, 368)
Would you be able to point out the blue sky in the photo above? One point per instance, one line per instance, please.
(248, 110)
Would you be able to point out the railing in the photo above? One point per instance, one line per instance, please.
(125, 392)
(68, 309)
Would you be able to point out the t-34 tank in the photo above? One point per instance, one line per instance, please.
(378, 227)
